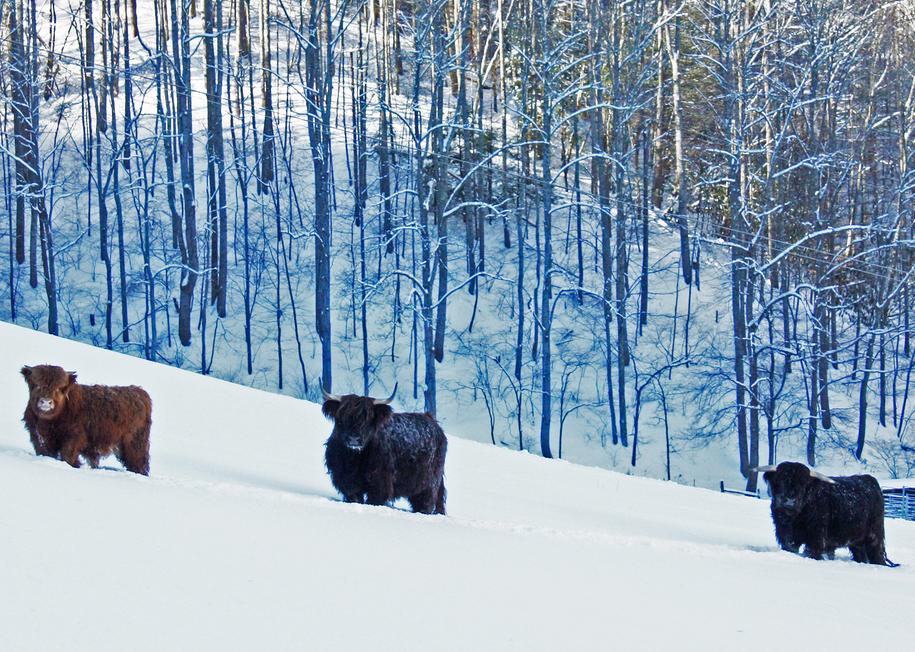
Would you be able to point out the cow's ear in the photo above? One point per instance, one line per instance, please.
(330, 408)
(26, 372)
(71, 378)
(382, 413)
(768, 475)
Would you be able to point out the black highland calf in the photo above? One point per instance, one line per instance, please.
(375, 456)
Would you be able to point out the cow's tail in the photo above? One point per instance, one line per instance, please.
(440, 498)
(882, 556)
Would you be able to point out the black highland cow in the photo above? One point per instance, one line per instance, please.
(375, 456)
(823, 513)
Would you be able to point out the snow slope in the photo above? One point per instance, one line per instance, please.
(237, 542)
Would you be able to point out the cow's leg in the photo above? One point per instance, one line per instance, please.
(93, 457)
(376, 497)
(814, 548)
(45, 445)
(354, 498)
(380, 491)
(72, 449)
(858, 552)
(134, 453)
(38, 442)
(46, 448)
(381, 487)
(875, 548)
(423, 502)
(53, 446)
(813, 552)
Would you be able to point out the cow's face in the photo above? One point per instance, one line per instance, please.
(356, 419)
(48, 389)
(789, 485)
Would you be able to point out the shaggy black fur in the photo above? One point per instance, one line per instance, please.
(822, 516)
(376, 456)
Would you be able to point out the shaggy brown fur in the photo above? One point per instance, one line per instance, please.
(67, 420)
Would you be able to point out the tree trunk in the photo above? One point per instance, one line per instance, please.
(216, 158)
(319, 76)
(190, 260)
(862, 398)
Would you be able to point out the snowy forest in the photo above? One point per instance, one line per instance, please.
(625, 232)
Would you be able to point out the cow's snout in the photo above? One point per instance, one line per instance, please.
(784, 502)
(354, 444)
(45, 404)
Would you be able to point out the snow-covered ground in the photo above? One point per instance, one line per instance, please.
(237, 541)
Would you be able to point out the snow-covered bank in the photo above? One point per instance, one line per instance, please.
(237, 541)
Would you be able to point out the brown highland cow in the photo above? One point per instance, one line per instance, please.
(67, 420)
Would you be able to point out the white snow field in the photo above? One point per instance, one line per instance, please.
(237, 541)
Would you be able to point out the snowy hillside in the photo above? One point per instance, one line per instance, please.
(237, 542)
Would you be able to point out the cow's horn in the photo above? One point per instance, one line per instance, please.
(386, 401)
(820, 476)
(763, 469)
(327, 395)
